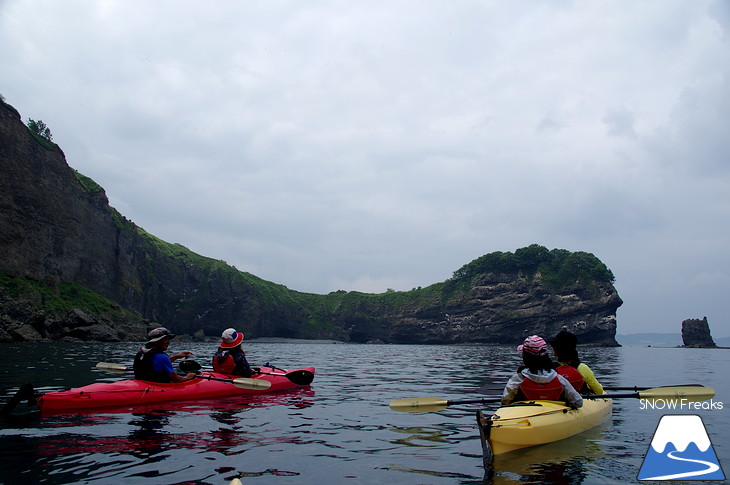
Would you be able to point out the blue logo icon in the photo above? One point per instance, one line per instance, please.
(681, 450)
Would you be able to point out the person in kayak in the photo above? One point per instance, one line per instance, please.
(230, 357)
(565, 348)
(536, 379)
(152, 363)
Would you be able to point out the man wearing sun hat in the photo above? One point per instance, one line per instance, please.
(230, 358)
(152, 363)
(536, 379)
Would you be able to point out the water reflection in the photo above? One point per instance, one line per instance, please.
(342, 430)
(563, 462)
(417, 435)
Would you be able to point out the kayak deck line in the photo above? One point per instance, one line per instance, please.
(499, 422)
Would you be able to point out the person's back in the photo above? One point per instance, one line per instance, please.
(536, 379)
(144, 366)
(230, 357)
(572, 375)
(540, 385)
(152, 363)
(566, 352)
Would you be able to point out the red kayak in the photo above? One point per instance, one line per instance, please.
(207, 385)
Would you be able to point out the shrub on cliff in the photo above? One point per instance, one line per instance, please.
(41, 132)
(559, 267)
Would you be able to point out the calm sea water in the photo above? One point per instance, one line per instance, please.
(341, 430)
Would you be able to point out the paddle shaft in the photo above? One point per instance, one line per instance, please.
(299, 377)
(241, 382)
(677, 393)
(610, 388)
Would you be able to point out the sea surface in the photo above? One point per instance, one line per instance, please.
(340, 430)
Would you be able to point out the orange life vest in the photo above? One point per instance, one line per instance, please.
(572, 375)
(224, 367)
(550, 391)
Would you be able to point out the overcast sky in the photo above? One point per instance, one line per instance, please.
(363, 146)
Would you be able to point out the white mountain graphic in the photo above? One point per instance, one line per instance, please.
(680, 430)
(681, 449)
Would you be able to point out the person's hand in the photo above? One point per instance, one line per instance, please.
(182, 355)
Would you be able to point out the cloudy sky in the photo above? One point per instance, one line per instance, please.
(363, 146)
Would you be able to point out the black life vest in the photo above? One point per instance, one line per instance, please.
(143, 369)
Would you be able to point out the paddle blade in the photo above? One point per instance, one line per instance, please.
(679, 393)
(253, 384)
(111, 367)
(300, 377)
(189, 366)
(419, 404)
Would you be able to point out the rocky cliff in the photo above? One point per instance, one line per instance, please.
(72, 267)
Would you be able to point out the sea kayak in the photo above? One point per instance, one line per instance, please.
(135, 392)
(524, 424)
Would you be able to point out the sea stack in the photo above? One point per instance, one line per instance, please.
(696, 333)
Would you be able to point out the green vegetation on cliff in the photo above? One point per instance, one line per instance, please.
(63, 297)
(559, 268)
(42, 133)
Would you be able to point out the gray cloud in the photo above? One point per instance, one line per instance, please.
(383, 145)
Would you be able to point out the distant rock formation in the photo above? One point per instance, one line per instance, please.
(696, 333)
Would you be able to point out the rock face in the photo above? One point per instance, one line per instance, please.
(498, 309)
(696, 333)
(55, 228)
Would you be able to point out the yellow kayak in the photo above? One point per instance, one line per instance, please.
(531, 423)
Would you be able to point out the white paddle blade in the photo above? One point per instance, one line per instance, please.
(253, 384)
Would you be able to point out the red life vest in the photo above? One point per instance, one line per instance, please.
(550, 391)
(224, 367)
(572, 375)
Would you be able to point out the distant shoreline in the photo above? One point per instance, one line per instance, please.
(282, 340)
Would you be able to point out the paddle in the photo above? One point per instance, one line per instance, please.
(669, 393)
(241, 382)
(431, 404)
(643, 388)
(673, 393)
(605, 388)
(298, 377)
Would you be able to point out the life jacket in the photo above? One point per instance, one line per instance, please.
(143, 369)
(223, 362)
(549, 391)
(572, 375)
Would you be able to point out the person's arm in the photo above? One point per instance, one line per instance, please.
(175, 377)
(163, 363)
(242, 367)
(512, 388)
(181, 355)
(593, 385)
(572, 397)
